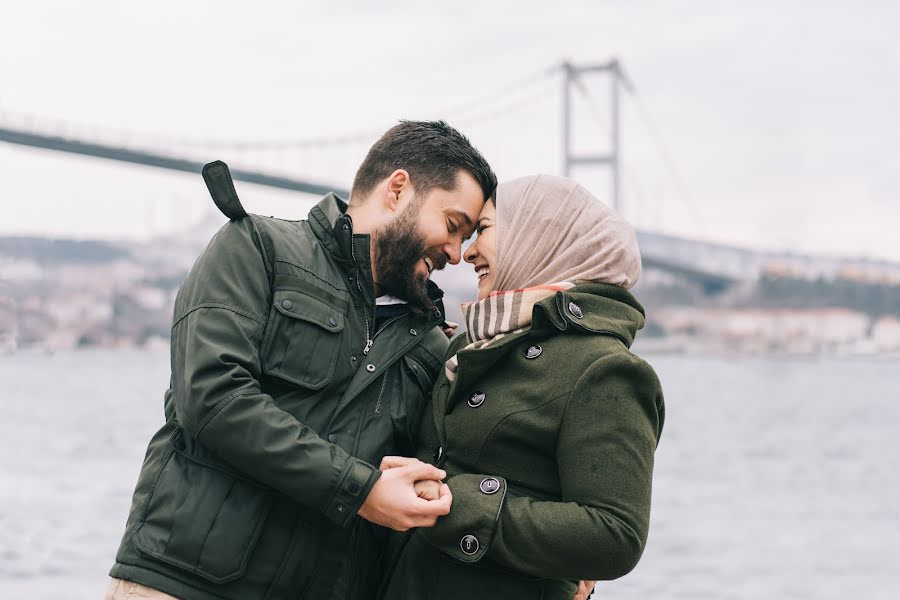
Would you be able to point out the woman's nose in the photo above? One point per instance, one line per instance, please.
(471, 252)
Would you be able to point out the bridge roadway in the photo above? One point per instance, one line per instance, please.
(140, 157)
(711, 282)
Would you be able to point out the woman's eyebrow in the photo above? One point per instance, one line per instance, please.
(474, 229)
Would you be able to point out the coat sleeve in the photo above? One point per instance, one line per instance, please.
(607, 438)
(220, 316)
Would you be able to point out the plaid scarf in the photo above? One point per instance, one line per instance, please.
(499, 315)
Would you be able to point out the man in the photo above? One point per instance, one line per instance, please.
(289, 382)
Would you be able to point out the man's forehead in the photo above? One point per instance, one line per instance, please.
(466, 197)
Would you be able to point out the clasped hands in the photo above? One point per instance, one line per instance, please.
(409, 493)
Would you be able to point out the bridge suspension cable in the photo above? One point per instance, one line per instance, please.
(683, 192)
(260, 157)
(480, 108)
(662, 151)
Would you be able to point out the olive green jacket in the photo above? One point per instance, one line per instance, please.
(275, 417)
(548, 439)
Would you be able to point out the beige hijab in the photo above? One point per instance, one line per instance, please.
(551, 229)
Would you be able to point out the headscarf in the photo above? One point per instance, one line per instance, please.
(551, 229)
(551, 234)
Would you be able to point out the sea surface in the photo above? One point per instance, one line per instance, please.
(775, 478)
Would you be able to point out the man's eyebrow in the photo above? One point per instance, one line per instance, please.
(461, 216)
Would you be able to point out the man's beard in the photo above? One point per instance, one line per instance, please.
(399, 246)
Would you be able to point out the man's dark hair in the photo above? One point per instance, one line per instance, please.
(431, 152)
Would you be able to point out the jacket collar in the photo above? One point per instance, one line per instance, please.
(598, 308)
(334, 228)
(327, 218)
(605, 310)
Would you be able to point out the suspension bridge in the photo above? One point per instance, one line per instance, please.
(528, 99)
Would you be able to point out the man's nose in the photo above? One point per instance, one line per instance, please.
(453, 251)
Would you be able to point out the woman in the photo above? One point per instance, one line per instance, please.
(544, 421)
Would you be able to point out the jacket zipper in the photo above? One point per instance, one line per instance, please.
(378, 404)
(369, 341)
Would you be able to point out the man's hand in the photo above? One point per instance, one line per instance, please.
(585, 589)
(389, 462)
(393, 501)
(427, 489)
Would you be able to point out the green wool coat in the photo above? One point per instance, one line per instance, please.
(548, 439)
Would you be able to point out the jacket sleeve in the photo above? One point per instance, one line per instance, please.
(607, 439)
(220, 316)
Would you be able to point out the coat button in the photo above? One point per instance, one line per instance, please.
(413, 332)
(533, 351)
(332, 321)
(438, 454)
(370, 368)
(490, 485)
(469, 545)
(477, 399)
(287, 304)
(332, 438)
(575, 310)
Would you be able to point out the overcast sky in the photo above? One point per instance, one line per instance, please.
(779, 118)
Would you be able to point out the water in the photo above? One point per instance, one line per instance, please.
(775, 478)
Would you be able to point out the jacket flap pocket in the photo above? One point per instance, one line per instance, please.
(202, 520)
(302, 306)
(302, 341)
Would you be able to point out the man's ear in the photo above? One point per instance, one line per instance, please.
(397, 183)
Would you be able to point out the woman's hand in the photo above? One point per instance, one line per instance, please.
(449, 328)
(394, 502)
(585, 590)
(428, 489)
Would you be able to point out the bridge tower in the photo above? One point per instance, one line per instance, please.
(572, 78)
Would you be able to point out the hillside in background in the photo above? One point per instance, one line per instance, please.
(699, 296)
(49, 251)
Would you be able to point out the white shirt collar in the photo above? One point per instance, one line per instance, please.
(386, 300)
